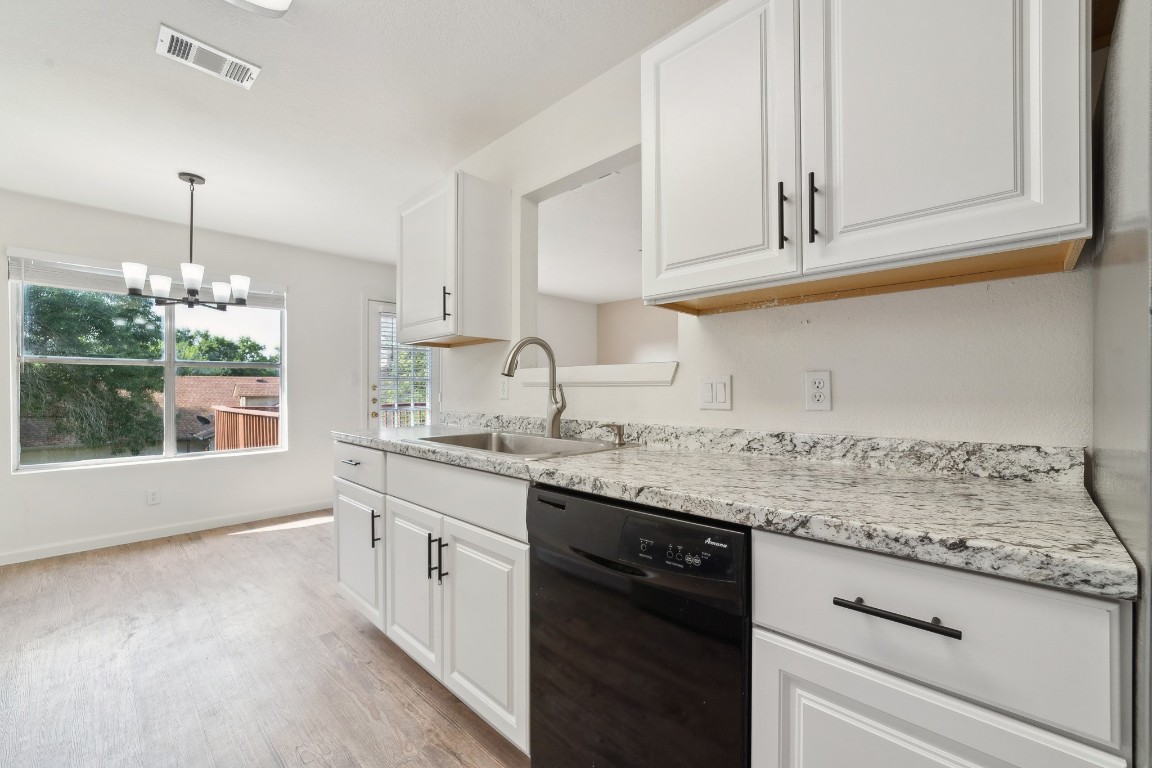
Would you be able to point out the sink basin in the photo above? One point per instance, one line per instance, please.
(518, 444)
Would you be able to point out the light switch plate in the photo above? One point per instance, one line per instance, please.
(818, 390)
(716, 393)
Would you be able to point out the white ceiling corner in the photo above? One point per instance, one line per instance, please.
(360, 105)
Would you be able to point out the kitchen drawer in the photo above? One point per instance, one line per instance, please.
(1055, 657)
(490, 501)
(363, 466)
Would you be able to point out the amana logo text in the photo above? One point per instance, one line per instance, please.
(715, 543)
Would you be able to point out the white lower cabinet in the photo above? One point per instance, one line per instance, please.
(413, 597)
(357, 514)
(486, 625)
(815, 709)
(457, 602)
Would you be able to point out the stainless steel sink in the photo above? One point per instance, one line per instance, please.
(519, 445)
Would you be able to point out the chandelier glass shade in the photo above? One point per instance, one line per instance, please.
(231, 294)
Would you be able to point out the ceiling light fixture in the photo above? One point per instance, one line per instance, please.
(271, 8)
(192, 274)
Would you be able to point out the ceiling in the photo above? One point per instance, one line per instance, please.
(360, 105)
(589, 247)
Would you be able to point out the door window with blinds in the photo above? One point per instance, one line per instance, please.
(102, 376)
(401, 390)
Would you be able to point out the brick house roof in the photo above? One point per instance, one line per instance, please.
(195, 396)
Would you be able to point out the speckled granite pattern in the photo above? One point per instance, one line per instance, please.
(994, 460)
(1049, 534)
(398, 441)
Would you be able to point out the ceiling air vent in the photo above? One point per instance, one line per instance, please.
(179, 46)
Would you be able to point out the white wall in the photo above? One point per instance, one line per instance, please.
(1005, 361)
(630, 332)
(569, 327)
(47, 512)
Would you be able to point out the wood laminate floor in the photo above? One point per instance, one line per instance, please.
(229, 647)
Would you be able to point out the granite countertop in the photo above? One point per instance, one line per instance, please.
(1046, 533)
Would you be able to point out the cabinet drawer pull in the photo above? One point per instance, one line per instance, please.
(812, 190)
(375, 538)
(444, 294)
(935, 626)
(350, 462)
(780, 198)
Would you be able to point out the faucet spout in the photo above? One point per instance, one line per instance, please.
(556, 400)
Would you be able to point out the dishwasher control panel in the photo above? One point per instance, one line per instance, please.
(678, 547)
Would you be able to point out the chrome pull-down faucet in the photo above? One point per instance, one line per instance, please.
(556, 401)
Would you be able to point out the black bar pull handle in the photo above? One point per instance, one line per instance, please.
(812, 190)
(430, 567)
(375, 538)
(440, 572)
(780, 199)
(350, 462)
(935, 626)
(444, 294)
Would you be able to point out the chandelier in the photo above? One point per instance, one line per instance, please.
(224, 295)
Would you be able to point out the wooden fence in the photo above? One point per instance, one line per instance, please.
(246, 428)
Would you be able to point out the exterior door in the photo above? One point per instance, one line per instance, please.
(358, 516)
(486, 626)
(813, 709)
(719, 150)
(931, 124)
(427, 245)
(413, 599)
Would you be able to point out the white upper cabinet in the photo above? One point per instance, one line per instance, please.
(454, 264)
(793, 148)
(935, 127)
(719, 150)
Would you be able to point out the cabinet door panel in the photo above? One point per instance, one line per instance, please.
(428, 263)
(812, 709)
(933, 127)
(486, 626)
(719, 136)
(413, 600)
(358, 519)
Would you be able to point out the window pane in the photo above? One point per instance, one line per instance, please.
(79, 412)
(404, 381)
(62, 322)
(240, 335)
(225, 412)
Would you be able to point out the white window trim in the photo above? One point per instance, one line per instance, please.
(95, 278)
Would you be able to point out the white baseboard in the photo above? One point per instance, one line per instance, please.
(145, 534)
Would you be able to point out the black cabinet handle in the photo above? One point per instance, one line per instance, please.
(935, 626)
(350, 462)
(444, 294)
(812, 190)
(438, 569)
(780, 198)
(375, 538)
(440, 572)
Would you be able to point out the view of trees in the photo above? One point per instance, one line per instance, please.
(113, 407)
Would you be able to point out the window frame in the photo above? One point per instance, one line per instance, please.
(372, 309)
(169, 363)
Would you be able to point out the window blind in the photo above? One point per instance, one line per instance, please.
(43, 268)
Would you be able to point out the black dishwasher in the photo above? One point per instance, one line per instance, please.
(640, 636)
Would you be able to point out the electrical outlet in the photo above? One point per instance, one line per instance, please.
(818, 390)
(503, 387)
(153, 496)
(716, 393)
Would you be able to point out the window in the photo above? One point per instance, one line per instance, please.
(402, 387)
(103, 375)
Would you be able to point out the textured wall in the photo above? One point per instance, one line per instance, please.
(47, 512)
(1122, 413)
(1006, 361)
